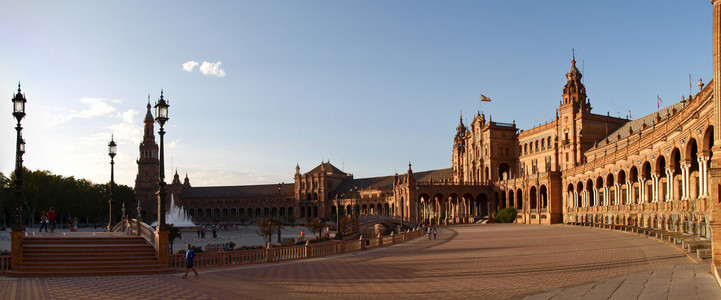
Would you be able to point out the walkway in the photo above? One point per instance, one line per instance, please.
(491, 261)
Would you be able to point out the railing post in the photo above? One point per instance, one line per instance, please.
(363, 242)
(137, 226)
(269, 253)
(380, 240)
(393, 238)
(16, 245)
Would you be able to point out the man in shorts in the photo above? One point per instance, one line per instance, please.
(189, 256)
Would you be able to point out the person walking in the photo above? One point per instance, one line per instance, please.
(43, 222)
(129, 220)
(428, 230)
(75, 224)
(434, 233)
(51, 219)
(189, 256)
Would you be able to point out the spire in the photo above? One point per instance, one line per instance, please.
(573, 57)
(297, 169)
(18, 87)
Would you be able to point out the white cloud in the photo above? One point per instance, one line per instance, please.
(188, 66)
(96, 107)
(208, 68)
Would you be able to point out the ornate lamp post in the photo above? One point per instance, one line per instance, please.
(112, 150)
(339, 230)
(19, 113)
(278, 213)
(161, 116)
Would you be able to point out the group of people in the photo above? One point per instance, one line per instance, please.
(431, 230)
(47, 220)
(201, 231)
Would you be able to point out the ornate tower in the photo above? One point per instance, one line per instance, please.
(146, 182)
(459, 149)
(573, 106)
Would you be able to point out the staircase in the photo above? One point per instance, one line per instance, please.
(87, 254)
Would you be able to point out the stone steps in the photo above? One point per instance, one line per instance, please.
(87, 254)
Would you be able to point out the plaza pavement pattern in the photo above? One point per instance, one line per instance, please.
(490, 261)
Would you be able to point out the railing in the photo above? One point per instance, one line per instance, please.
(4, 263)
(137, 228)
(246, 257)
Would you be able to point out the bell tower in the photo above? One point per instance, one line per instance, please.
(573, 107)
(146, 182)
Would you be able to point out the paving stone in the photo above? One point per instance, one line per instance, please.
(491, 261)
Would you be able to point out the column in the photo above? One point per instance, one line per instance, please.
(641, 190)
(703, 176)
(616, 194)
(686, 181)
(606, 198)
(629, 192)
(669, 184)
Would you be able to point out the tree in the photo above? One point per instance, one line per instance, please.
(173, 234)
(316, 225)
(265, 229)
(507, 215)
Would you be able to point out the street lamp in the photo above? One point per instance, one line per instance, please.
(278, 212)
(19, 112)
(112, 150)
(161, 116)
(339, 230)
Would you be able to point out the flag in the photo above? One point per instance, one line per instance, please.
(485, 99)
(658, 101)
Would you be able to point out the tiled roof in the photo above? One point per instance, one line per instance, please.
(327, 167)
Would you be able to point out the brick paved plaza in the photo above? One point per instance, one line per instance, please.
(492, 261)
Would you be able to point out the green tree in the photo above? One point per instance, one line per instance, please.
(173, 234)
(507, 215)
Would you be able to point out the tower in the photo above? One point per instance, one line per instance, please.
(146, 182)
(459, 148)
(573, 106)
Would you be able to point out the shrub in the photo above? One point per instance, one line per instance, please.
(507, 215)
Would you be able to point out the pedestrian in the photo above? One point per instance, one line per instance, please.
(75, 224)
(202, 232)
(198, 231)
(43, 222)
(434, 233)
(429, 232)
(189, 256)
(215, 233)
(51, 218)
(70, 224)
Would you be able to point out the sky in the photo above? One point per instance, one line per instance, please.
(256, 87)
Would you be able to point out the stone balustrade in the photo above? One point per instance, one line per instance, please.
(270, 254)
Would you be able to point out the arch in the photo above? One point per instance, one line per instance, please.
(208, 212)
(216, 212)
(647, 182)
(592, 199)
(372, 209)
(550, 146)
(281, 212)
(623, 193)
(290, 211)
(387, 209)
(274, 212)
(543, 198)
(611, 188)
(662, 179)
(266, 212)
(519, 199)
(233, 212)
(315, 211)
(579, 190)
(511, 199)
(504, 171)
(364, 209)
(483, 205)
(533, 203)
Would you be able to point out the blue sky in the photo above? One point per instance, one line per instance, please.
(369, 85)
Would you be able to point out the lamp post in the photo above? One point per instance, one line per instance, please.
(339, 232)
(161, 116)
(19, 112)
(278, 212)
(112, 150)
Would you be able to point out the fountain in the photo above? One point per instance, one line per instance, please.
(178, 217)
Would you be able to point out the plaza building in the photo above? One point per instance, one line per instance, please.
(658, 171)
(581, 167)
